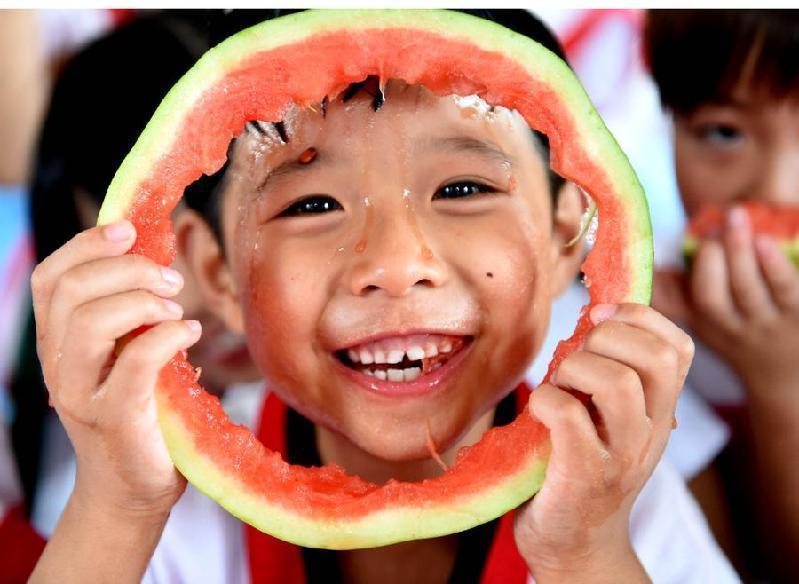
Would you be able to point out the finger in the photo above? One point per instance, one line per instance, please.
(650, 357)
(131, 383)
(648, 319)
(780, 273)
(710, 289)
(105, 277)
(575, 443)
(617, 392)
(95, 243)
(91, 335)
(749, 291)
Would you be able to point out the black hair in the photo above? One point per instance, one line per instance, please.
(99, 104)
(203, 195)
(703, 56)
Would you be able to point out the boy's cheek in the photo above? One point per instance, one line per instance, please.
(705, 179)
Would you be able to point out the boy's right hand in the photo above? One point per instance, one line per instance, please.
(86, 296)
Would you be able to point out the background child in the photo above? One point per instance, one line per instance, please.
(731, 81)
(577, 525)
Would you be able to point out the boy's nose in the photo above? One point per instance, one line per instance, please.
(393, 256)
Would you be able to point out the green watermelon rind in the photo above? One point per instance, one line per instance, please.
(383, 526)
(378, 528)
(691, 245)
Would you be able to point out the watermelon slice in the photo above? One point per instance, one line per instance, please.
(300, 59)
(778, 222)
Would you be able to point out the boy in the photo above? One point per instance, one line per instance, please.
(335, 255)
(736, 134)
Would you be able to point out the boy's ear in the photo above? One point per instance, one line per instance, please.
(568, 254)
(200, 250)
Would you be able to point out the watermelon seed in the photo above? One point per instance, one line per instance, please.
(308, 156)
(281, 130)
(323, 105)
(379, 99)
(257, 127)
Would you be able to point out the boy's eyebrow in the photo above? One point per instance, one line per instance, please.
(466, 144)
(292, 166)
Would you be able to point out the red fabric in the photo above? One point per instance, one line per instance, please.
(20, 547)
(273, 561)
(120, 16)
(504, 564)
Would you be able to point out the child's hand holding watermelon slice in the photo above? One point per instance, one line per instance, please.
(741, 297)
(632, 366)
(87, 295)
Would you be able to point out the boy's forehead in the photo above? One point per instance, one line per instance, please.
(410, 121)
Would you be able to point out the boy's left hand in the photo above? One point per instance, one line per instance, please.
(604, 447)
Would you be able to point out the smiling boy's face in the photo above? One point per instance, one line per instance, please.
(393, 269)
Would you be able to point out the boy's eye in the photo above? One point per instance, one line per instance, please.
(312, 205)
(721, 134)
(458, 190)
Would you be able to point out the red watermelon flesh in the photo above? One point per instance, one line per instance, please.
(254, 76)
(780, 222)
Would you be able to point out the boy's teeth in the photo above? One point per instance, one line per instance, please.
(415, 353)
(393, 351)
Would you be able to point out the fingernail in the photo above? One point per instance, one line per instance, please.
(171, 277)
(120, 231)
(194, 326)
(602, 312)
(737, 219)
(173, 307)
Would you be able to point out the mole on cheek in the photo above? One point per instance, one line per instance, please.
(489, 274)
(307, 156)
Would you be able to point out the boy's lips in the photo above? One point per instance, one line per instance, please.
(403, 364)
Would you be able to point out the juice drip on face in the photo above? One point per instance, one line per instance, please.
(360, 246)
(410, 216)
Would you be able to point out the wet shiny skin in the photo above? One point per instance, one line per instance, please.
(393, 260)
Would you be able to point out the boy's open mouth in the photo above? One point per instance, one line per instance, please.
(403, 359)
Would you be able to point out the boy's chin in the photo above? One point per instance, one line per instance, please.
(407, 450)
